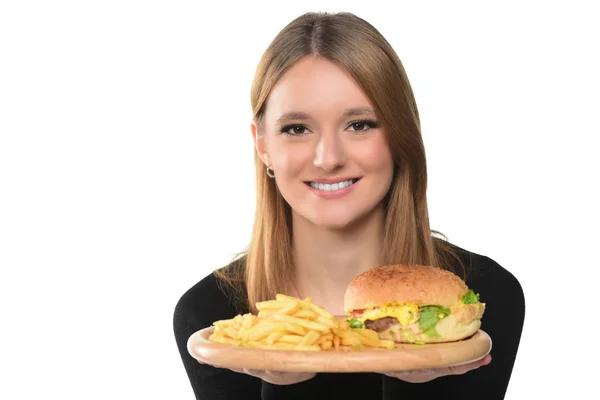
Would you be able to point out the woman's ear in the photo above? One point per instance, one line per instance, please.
(259, 143)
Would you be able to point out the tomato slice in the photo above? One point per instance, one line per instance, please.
(356, 313)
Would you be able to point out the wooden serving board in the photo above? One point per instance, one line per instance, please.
(404, 357)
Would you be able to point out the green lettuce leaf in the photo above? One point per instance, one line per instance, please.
(430, 315)
(354, 323)
(470, 298)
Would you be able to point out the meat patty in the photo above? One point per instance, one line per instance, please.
(381, 324)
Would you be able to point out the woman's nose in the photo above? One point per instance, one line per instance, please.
(330, 153)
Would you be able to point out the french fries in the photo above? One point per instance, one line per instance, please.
(289, 323)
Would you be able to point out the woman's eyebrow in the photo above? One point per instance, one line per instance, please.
(294, 115)
(354, 112)
(301, 116)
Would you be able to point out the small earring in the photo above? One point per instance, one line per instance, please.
(270, 172)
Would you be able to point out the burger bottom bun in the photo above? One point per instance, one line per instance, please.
(457, 326)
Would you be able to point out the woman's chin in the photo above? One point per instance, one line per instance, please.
(333, 225)
(338, 218)
(335, 221)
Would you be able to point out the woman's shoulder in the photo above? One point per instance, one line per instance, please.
(211, 299)
(482, 270)
(498, 288)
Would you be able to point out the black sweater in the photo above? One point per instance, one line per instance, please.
(208, 301)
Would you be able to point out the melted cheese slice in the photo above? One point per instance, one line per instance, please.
(406, 314)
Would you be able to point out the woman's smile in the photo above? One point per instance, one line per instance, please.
(332, 188)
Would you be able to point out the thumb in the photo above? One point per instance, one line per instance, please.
(461, 369)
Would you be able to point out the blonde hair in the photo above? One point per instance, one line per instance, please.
(352, 43)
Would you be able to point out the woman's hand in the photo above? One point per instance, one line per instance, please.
(426, 375)
(274, 377)
(278, 377)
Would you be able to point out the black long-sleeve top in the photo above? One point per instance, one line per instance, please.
(209, 301)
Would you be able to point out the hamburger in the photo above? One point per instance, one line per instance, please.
(413, 304)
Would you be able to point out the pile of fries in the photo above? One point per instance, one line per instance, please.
(289, 323)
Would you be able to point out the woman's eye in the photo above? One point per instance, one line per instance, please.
(363, 126)
(294, 130)
(359, 126)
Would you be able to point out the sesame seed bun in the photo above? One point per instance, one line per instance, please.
(417, 284)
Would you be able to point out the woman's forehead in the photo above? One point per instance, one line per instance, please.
(315, 86)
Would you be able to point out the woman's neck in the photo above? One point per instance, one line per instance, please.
(327, 260)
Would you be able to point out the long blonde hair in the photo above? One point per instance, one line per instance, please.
(266, 268)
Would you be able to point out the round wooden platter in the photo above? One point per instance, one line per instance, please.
(404, 357)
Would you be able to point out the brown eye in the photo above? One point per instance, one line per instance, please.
(363, 126)
(359, 126)
(299, 130)
(294, 130)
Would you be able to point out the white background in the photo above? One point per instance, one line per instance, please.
(126, 173)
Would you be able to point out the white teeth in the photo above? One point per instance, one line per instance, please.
(332, 187)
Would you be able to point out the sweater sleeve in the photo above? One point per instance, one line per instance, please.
(197, 309)
(503, 320)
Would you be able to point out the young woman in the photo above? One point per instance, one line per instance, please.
(341, 187)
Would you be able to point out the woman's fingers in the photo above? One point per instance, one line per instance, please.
(286, 378)
(462, 369)
(426, 375)
(276, 377)
(274, 373)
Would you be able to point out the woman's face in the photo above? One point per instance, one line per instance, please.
(330, 156)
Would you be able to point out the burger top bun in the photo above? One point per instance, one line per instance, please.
(418, 284)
